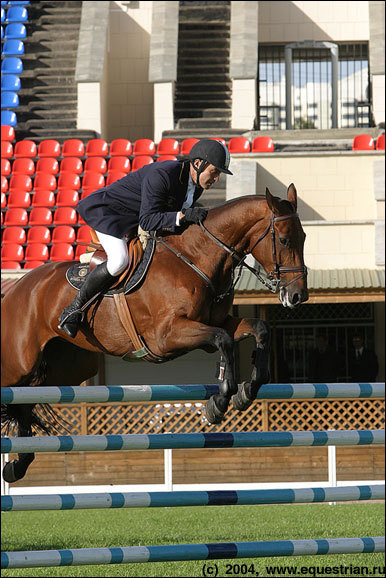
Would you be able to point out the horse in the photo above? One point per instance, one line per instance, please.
(182, 304)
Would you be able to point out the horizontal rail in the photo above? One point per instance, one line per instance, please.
(137, 393)
(108, 500)
(193, 440)
(218, 551)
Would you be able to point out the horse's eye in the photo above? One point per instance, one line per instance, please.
(284, 241)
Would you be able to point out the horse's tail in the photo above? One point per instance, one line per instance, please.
(39, 418)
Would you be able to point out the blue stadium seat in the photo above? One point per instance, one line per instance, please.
(15, 30)
(12, 65)
(8, 117)
(19, 3)
(2, 15)
(10, 82)
(17, 14)
(2, 32)
(13, 48)
(4, 2)
(9, 99)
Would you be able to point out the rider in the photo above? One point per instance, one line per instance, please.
(159, 196)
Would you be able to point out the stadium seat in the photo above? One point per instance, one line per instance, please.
(144, 146)
(32, 264)
(63, 234)
(13, 48)
(25, 148)
(95, 165)
(6, 149)
(92, 181)
(363, 142)
(239, 144)
(40, 216)
(141, 161)
(71, 165)
(12, 252)
(221, 140)
(9, 99)
(4, 184)
(7, 133)
(380, 143)
(16, 218)
(15, 31)
(47, 165)
(37, 252)
(97, 147)
(120, 164)
(114, 176)
(23, 167)
(14, 235)
(166, 158)
(8, 117)
(5, 167)
(81, 221)
(19, 199)
(2, 15)
(10, 265)
(49, 148)
(73, 147)
(262, 144)
(168, 146)
(84, 234)
(65, 216)
(43, 199)
(44, 182)
(69, 181)
(17, 14)
(12, 65)
(38, 234)
(187, 144)
(19, 3)
(62, 252)
(121, 147)
(10, 82)
(67, 198)
(3, 200)
(79, 250)
(20, 183)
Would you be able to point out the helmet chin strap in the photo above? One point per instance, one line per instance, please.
(199, 171)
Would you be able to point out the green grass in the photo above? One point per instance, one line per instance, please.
(132, 527)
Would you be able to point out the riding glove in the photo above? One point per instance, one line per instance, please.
(194, 215)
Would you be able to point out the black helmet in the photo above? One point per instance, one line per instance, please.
(213, 152)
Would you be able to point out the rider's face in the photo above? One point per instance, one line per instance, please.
(208, 177)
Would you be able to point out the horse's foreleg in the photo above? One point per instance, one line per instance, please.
(241, 328)
(16, 469)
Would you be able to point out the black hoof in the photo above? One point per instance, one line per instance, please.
(240, 400)
(9, 474)
(212, 413)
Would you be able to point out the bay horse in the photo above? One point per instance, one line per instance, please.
(178, 308)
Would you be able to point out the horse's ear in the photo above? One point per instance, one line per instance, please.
(292, 196)
(273, 202)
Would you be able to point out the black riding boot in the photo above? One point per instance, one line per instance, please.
(98, 281)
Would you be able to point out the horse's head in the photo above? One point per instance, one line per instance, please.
(281, 254)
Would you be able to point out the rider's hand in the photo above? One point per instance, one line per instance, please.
(194, 215)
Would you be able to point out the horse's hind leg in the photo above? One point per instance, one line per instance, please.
(16, 469)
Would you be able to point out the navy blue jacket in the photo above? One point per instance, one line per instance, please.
(150, 197)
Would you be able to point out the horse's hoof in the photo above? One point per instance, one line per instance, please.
(240, 400)
(212, 413)
(9, 473)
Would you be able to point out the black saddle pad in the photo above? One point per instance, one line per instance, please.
(77, 274)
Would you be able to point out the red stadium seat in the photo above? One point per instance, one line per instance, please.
(97, 147)
(120, 164)
(32, 264)
(19, 199)
(187, 144)
(166, 158)
(84, 234)
(69, 181)
(239, 144)
(380, 143)
(168, 146)
(92, 181)
(363, 142)
(10, 265)
(141, 161)
(262, 144)
(12, 252)
(44, 182)
(7, 132)
(144, 146)
(43, 199)
(49, 148)
(20, 183)
(221, 140)
(37, 252)
(67, 198)
(16, 217)
(5, 167)
(47, 165)
(6, 150)
(79, 250)
(40, 216)
(4, 184)
(23, 167)
(114, 176)
(3, 200)
(95, 165)
(65, 216)
(121, 147)
(14, 235)
(81, 221)
(73, 147)
(25, 148)
(71, 165)
(38, 234)
(62, 252)
(63, 234)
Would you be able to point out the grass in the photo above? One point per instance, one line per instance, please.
(132, 527)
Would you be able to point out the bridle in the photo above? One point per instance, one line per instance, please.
(272, 280)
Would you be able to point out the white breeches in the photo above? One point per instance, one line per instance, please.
(116, 251)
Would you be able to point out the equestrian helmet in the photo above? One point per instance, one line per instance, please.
(213, 152)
